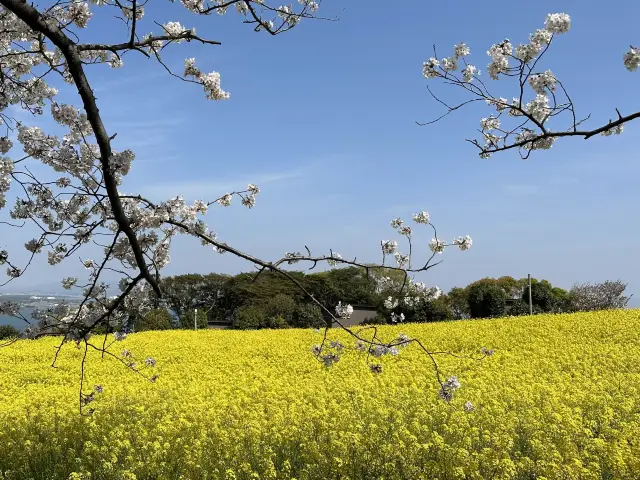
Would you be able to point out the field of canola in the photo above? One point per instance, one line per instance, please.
(559, 399)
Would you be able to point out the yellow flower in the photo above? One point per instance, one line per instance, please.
(557, 399)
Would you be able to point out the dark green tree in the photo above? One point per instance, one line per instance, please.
(8, 331)
(250, 318)
(308, 316)
(546, 297)
(158, 319)
(542, 295)
(486, 300)
(521, 307)
(346, 285)
(282, 306)
(188, 320)
(436, 310)
(186, 292)
(246, 288)
(276, 322)
(458, 299)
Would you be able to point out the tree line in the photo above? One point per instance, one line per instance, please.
(269, 300)
(247, 301)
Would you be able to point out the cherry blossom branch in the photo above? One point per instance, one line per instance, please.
(187, 35)
(147, 228)
(536, 131)
(34, 19)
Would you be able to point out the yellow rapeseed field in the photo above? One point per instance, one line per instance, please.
(559, 399)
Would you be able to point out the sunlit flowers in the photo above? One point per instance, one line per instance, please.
(557, 23)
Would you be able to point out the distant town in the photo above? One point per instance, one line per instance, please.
(38, 300)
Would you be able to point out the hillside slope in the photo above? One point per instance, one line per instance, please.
(560, 398)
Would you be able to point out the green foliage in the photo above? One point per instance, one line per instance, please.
(270, 300)
(308, 316)
(545, 297)
(518, 308)
(245, 288)
(158, 319)
(249, 318)
(434, 311)
(458, 299)
(378, 319)
(188, 320)
(7, 331)
(521, 307)
(347, 285)
(253, 317)
(276, 296)
(276, 322)
(486, 300)
(563, 299)
(283, 306)
(186, 292)
(511, 287)
(279, 312)
(542, 296)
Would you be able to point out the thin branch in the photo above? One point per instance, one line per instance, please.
(37, 22)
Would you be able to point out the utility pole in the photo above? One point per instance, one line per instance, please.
(195, 317)
(530, 302)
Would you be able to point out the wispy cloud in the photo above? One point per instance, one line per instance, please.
(127, 80)
(522, 189)
(398, 209)
(147, 124)
(150, 139)
(564, 180)
(206, 189)
(158, 159)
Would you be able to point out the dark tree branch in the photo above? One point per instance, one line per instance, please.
(186, 35)
(37, 22)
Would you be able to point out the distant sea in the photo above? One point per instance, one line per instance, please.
(16, 322)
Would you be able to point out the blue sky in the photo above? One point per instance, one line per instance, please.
(323, 117)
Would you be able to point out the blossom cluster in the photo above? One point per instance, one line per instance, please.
(210, 81)
(344, 311)
(414, 293)
(177, 31)
(631, 59)
(519, 62)
(437, 68)
(411, 295)
(82, 202)
(448, 388)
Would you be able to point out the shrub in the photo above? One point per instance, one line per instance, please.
(249, 317)
(158, 319)
(282, 306)
(276, 322)
(378, 319)
(486, 300)
(7, 331)
(434, 311)
(308, 316)
(186, 321)
(520, 307)
(544, 296)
